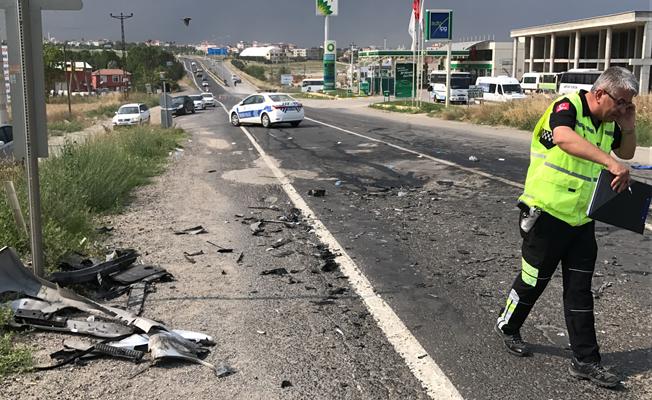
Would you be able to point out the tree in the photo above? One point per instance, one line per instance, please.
(53, 65)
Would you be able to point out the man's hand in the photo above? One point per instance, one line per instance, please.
(622, 179)
(627, 119)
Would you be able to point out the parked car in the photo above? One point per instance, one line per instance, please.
(182, 105)
(205, 85)
(198, 100)
(267, 109)
(131, 114)
(6, 142)
(209, 99)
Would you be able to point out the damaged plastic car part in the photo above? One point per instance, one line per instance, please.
(14, 277)
(138, 273)
(169, 345)
(96, 272)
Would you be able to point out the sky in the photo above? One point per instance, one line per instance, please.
(364, 22)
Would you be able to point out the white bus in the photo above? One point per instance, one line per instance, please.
(577, 79)
(460, 82)
(312, 85)
(539, 82)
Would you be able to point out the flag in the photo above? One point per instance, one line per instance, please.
(414, 17)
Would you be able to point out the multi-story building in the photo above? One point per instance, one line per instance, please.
(623, 39)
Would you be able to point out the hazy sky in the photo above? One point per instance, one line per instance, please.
(365, 22)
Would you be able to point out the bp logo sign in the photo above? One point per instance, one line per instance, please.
(330, 47)
(326, 7)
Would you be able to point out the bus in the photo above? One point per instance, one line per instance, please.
(539, 82)
(312, 85)
(460, 82)
(577, 79)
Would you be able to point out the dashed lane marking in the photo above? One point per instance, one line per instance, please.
(433, 379)
(435, 159)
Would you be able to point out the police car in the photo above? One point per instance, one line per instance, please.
(267, 109)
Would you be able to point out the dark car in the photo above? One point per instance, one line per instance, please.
(182, 105)
(6, 142)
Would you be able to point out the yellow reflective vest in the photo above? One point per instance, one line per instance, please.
(557, 182)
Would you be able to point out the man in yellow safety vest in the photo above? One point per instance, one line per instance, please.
(571, 144)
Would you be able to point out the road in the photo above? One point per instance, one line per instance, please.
(435, 234)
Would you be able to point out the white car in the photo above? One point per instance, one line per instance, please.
(132, 114)
(267, 109)
(198, 99)
(209, 99)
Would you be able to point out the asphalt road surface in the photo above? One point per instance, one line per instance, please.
(440, 244)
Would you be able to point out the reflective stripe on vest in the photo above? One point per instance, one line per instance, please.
(558, 183)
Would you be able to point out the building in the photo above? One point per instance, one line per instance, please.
(485, 58)
(5, 70)
(80, 78)
(111, 80)
(623, 39)
(268, 53)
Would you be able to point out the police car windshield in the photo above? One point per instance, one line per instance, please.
(280, 97)
(128, 110)
(512, 88)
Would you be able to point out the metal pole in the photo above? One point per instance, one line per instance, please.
(448, 74)
(4, 115)
(65, 71)
(31, 159)
(351, 85)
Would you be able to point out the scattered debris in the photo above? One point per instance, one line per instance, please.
(275, 271)
(283, 254)
(210, 171)
(473, 158)
(224, 370)
(190, 259)
(123, 259)
(194, 254)
(104, 229)
(281, 242)
(240, 258)
(257, 228)
(170, 345)
(195, 230)
(317, 192)
(337, 291)
(286, 384)
(598, 293)
(220, 249)
(136, 300)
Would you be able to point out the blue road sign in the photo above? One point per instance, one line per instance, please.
(439, 24)
(217, 51)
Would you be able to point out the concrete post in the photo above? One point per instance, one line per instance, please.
(552, 52)
(531, 54)
(600, 49)
(514, 57)
(578, 44)
(644, 81)
(607, 48)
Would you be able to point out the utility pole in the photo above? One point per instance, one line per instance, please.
(122, 18)
(351, 45)
(68, 78)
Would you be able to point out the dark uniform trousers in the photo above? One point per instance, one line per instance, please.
(548, 242)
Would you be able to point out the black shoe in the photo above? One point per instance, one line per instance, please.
(594, 372)
(514, 343)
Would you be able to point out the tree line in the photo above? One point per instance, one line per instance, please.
(145, 63)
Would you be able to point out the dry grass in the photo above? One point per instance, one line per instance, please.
(59, 111)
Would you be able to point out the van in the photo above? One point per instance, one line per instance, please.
(539, 82)
(312, 85)
(500, 88)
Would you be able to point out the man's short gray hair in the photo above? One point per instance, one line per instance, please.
(615, 78)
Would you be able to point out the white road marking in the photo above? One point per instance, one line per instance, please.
(433, 379)
(435, 159)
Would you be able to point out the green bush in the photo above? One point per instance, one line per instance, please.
(239, 64)
(256, 71)
(13, 357)
(85, 181)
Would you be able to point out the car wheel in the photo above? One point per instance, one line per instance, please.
(193, 110)
(235, 121)
(295, 123)
(264, 119)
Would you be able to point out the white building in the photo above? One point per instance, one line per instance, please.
(485, 58)
(269, 53)
(623, 39)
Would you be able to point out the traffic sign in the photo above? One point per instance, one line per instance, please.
(439, 25)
